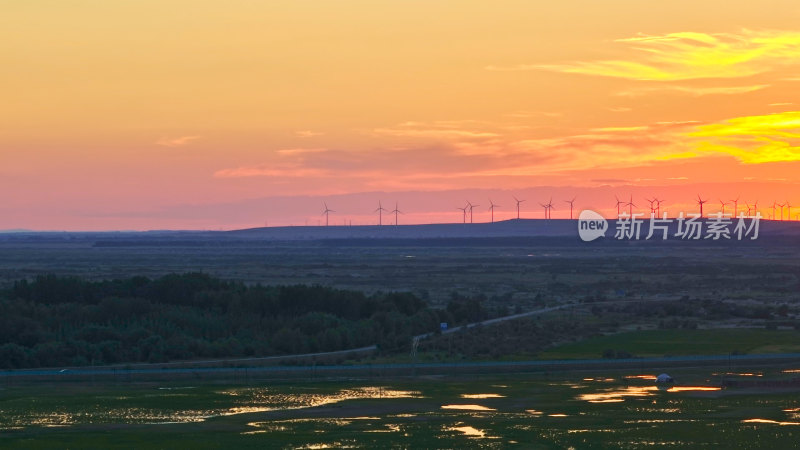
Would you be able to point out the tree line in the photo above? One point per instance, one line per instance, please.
(52, 321)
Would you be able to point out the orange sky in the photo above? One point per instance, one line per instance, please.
(205, 114)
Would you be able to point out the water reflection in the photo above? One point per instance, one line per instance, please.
(739, 374)
(469, 431)
(774, 422)
(482, 396)
(641, 377)
(619, 394)
(266, 399)
(246, 400)
(468, 407)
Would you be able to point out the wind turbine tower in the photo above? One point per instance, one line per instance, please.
(571, 202)
(550, 208)
(470, 206)
(491, 208)
(735, 206)
(518, 202)
(380, 211)
(722, 204)
(396, 211)
(701, 202)
(464, 210)
(619, 203)
(630, 204)
(652, 205)
(326, 212)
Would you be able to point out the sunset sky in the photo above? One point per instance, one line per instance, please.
(153, 114)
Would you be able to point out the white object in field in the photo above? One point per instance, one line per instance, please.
(664, 378)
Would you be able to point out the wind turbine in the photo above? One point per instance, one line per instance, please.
(518, 202)
(748, 208)
(789, 210)
(547, 207)
(774, 204)
(631, 205)
(723, 205)
(470, 206)
(396, 211)
(701, 202)
(618, 204)
(658, 206)
(652, 202)
(380, 211)
(550, 208)
(735, 206)
(326, 211)
(781, 205)
(491, 208)
(464, 210)
(755, 207)
(570, 206)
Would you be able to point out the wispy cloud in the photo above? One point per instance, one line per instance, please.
(689, 55)
(308, 133)
(447, 154)
(615, 129)
(529, 114)
(754, 139)
(176, 142)
(300, 151)
(609, 180)
(265, 170)
(443, 130)
(435, 133)
(692, 90)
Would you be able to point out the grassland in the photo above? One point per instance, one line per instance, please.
(555, 410)
(640, 300)
(655, 343)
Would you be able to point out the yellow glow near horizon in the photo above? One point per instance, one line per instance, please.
(755, 139)
(691, 55)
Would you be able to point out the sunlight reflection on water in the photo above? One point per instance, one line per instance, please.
(479, 396)
(469, 407)
(774, 422)
(619, 395)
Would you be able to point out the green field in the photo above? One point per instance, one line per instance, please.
(655, 343)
